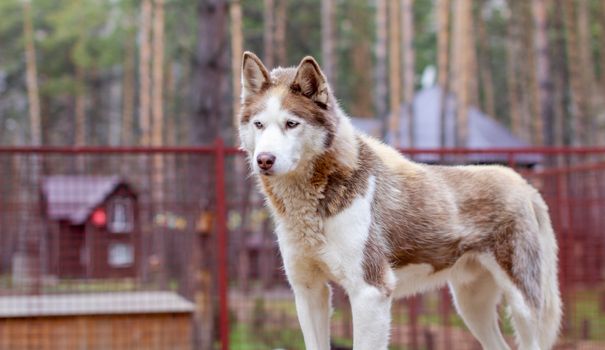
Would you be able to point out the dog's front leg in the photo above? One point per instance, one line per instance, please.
(313, 307)
(371, 309)
(312, 295)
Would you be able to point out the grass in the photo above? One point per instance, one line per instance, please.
(78, 285)
(252, 337)
(585, 311)
(90, 286)
(587, 315)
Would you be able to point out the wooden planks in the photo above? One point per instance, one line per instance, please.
(117, 332)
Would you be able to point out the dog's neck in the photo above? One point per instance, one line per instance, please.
(345, 147)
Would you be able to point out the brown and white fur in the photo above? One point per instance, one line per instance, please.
(351, 210)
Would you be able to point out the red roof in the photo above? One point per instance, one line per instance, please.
(73, 197)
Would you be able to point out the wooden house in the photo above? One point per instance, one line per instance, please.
(96, 321)
(93, 228)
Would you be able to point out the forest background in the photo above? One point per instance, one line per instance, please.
(166, 72)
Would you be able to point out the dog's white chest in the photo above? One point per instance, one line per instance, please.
(340, 251)
(346, 235)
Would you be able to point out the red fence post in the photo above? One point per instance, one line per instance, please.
(221, 241)
(445, 317)
(413, 314)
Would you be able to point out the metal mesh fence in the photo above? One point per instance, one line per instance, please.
(173, 249)
(106, 249)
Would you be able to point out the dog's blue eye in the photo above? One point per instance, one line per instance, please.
(258, 125)
(290, 124)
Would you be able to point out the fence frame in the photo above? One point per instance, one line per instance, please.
(219, 151)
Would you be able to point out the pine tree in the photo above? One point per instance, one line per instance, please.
(443, 62)
(157, 107)
(575, 74)
(563, 119)
(80, 107)
(462, 64)
(209, 74)
(545, 86)
(328, 11)
(409, 62)
(484, 66)
(269, 32)
(235, 13)
(360, 56)
(33, 95)
(157, 88)
(394, 74)
(512, 70)
(25, 266)
(380, 69)
(280, 32)
(587, 68)
(144, 74)
(602, 46)
(128, 90)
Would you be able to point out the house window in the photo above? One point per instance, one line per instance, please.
(121, 216)
(120, 255)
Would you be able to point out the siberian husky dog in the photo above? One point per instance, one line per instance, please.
(350, 210)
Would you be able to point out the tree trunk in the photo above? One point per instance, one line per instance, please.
(157, 131)
(280, 32)
(144, 74)
(471, 57)
(394, 74)
(542, 63)
(170, 136)
(328, 10)
(210, 73)
(563, 126)
(601, 118)
(529, 86)
(462, 63)
(80, 106)
(96, 118)
(575, 74)
(158, 75)
(144, 137)
(210, 78)
(443, 50)
(235, 12)
(512, 49)
(380, 87)
(587, 68)
(361, 59)
(409, 62)
(268, 32)
(602, 25)
(559, 112)
(443, 39)
(25, 261)
(128, 91)
(485, 70)
(157, 92)
(240, 165)
(33, 96)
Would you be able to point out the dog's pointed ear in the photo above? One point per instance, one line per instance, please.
(254, 75)
(311, 82)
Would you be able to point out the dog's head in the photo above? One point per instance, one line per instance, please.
(287, 116)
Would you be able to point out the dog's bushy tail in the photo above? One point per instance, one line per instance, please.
(551, 308)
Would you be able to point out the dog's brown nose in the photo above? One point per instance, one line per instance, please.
(265, 160)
